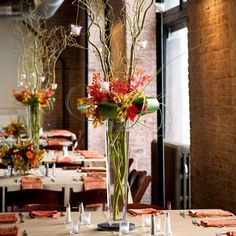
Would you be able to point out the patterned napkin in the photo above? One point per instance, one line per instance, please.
(9, 231)
(218, 222)
(137, 212)
(8, 218)
(209, 213)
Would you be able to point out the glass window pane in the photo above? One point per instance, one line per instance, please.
(171, 4)
(177, 126)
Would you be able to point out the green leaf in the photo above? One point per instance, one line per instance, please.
(152, 105)
(82, 107)
(108, 110)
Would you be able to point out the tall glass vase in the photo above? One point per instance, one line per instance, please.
(34, 124)
(117, 149)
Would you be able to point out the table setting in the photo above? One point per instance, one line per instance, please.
(57, 223)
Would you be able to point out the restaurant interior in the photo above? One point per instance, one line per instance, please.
(117, 117)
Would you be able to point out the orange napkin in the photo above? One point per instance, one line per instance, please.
(31, 183)
(209, 213)
(64, 160)
(8, 218)
(9, 231)
(59, 142)
(136, 212)
(90, 154)
(93, 169)
(53, 214)
(59, 132)
(93, 182)
(97, 174)
(218, 223)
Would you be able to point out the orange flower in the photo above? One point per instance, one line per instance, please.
(30, 155)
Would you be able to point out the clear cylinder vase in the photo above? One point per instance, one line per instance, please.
(117, 149)
(34, 124)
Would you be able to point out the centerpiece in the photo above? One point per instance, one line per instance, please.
(116, 97)
(41, 48)
(21, 156)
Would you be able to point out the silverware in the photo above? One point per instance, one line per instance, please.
(182, 214)
(194, 221)
(21, 217)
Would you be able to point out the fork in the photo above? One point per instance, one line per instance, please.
(21, 217)
(194, 221)
(182, 214)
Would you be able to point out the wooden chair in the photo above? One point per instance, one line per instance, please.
(88, 197)
(140, 186)
(132, 175)
(131, 160)
(34, 199)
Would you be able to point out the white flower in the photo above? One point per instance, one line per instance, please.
(104, 86)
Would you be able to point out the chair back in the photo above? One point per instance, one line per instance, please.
(34, 199)
(140, 186)
(87, 197)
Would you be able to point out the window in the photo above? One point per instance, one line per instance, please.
(171, 4)
(177, 125)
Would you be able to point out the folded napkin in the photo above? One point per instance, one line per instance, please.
(8, 218)
(59, 142)
(64, 159)
(9, 231)
(90, 154)
(218, 223)
(93, 169)
(209, 213)
(53, 214)
(137, 212)
(31, 182)
(93, 182)
(60, 132)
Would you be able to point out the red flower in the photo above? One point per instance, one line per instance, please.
(132, 112)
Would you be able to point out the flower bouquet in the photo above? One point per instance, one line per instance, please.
(35, 100)
(21, 156)
(15, 128)
(121, 102)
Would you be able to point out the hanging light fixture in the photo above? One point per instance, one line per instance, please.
(76, 29)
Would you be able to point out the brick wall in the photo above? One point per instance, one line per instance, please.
(212, 73)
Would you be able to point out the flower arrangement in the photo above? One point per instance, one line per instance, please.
(117, 96)
(22, 155)
(15, 128)
(118, 99)
(42, 97)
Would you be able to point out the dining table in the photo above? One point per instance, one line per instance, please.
(76, 158)
(61, 179)
(180, 226)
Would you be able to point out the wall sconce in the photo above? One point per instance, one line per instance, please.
(160, 6)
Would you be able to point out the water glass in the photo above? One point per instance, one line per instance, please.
(86, 218)
(146, 220)
(124, 228)
(158, 224)
(74, 227)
